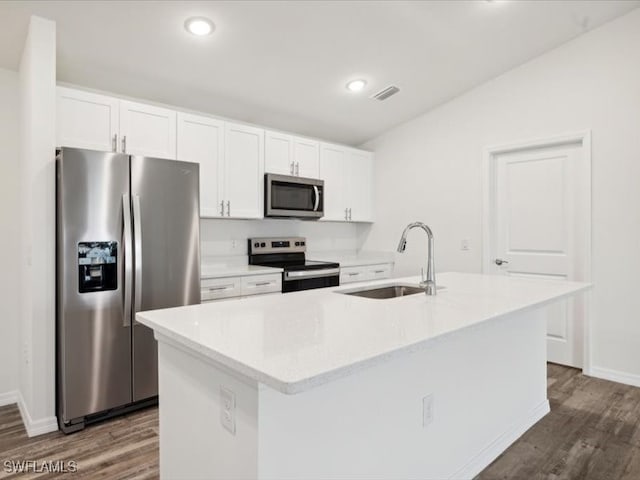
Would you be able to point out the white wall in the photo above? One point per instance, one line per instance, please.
(9, 233)
(429, 169)
(37, 200)
(217, 237)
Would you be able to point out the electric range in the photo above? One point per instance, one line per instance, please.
(288, 253)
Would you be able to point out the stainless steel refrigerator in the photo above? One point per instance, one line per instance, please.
(128, 239)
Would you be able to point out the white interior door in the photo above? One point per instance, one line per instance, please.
(537, 218)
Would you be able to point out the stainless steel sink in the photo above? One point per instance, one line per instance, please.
(385, 291)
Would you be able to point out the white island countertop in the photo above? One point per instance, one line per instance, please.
(296, 341)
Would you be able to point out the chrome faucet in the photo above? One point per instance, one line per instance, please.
(428, 282)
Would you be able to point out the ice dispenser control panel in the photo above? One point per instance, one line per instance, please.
(97, 266)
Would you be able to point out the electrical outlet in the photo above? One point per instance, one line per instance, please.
(228, 409)
(464, 245)
(427, 410)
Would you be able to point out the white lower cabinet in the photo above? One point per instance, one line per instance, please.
(258, 284)
(363, 273)
(236, 287)
(218, 288)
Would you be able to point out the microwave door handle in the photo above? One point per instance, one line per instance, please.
(317, 195)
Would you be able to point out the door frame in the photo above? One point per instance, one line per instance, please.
(490, 153)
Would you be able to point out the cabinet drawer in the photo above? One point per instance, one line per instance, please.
(216, 288)
(353, 274)
(379, 271)
(257, 284)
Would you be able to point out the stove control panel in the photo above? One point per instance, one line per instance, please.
(259, 246)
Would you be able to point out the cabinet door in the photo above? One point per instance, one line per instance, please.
(201, 140)
(278, 153)
(147, 130)
(333, 160)
(243, 171)
(306, 155)
(86, 120)
(359, 189)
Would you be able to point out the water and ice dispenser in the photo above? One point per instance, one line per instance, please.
(97, 266)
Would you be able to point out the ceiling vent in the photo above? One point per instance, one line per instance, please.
(386, 93)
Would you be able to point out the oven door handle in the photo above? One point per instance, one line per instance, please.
(317, 195)
(306, 274)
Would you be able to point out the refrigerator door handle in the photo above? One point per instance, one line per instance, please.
(137, 238)
(127, 251)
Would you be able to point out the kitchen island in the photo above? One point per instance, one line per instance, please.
(320, 384)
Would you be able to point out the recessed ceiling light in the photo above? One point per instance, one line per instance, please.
(356, 85)
(199, 26)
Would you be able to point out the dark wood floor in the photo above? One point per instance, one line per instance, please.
(122, 448)
(592, 433)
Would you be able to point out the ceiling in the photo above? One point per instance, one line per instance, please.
(284, 64)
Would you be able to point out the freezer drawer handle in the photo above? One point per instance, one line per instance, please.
(127, 251)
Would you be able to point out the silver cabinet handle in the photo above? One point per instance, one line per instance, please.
(228, 208)
(499, 261)
(114, 142)
(218, 289)
(353, 274)
(128, 254)
(291, 168)
(137, 240)
(262, 284)
(297, 169)
(124, 144)
(222, 208)
(346, 214)
(378, 271)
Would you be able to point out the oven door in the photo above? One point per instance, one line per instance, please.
(296, 197)
(308, 279)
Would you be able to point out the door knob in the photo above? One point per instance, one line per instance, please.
(499, 261)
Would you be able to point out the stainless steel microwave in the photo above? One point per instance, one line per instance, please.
(293, 197)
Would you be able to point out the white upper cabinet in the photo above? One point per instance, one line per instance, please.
(359, 190)
(278, 153)
(333, 160)
(306, 154)
(201, 140)
(347, 175)
(87, 120)
(243, 177)
(147, 130)
(291, 155)
(99, 122)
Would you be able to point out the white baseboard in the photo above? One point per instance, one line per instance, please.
(35, 427)
(614, 376)
(492, 451)
(8, 398)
